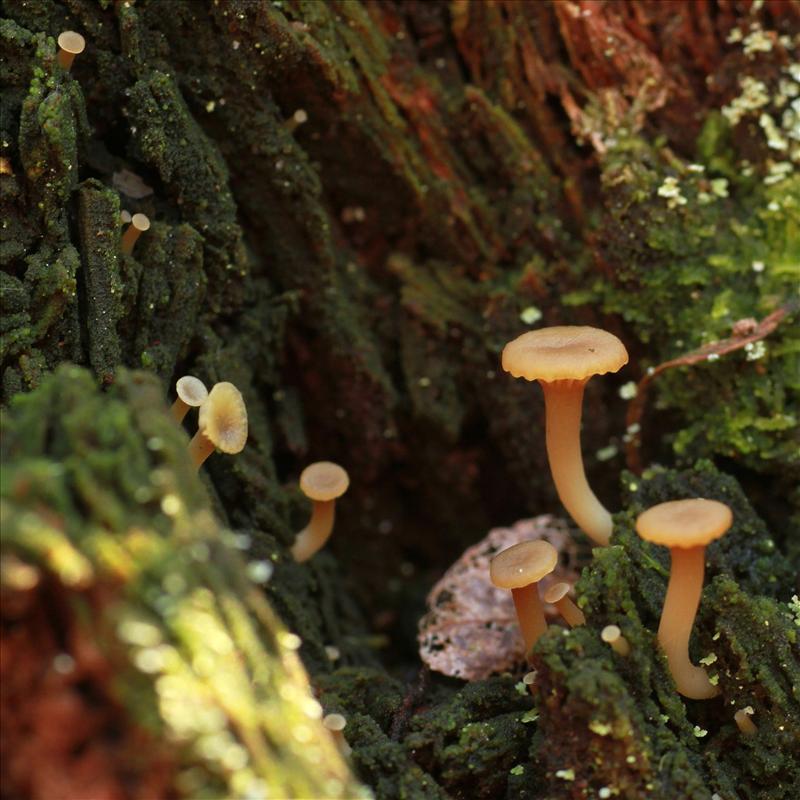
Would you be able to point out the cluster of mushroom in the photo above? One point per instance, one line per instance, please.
(563, 359)
(222, 426)
(222, 422)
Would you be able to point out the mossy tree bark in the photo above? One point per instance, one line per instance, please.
(466, 169)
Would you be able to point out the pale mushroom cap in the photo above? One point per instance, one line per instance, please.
(610, 633)
(324, 480)
(334, 722)
(684, 523)
(141, 222)
(223, 418)
(565, 352)
(191, 390)
(72, 42)
(523, 564)
(556, 592)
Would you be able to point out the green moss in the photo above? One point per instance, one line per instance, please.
(729, 250)
(617, 721)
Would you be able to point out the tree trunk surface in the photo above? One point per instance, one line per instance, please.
(353, 206)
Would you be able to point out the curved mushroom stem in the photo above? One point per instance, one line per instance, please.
(530, 614)
(743, 721)
(200, 448)
(677, 616)
(573, 616)
(179, 410)
(563, 401)
(316, 533)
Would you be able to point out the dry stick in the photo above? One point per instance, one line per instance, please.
(720, 348)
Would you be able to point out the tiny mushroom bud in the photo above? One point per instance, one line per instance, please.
(563, 359)
(746, 725)
(557, 595)
(520, 568)
(192, 393)
(336, 724)
(222, 425)
(322, 482)
(139, 224)
(612, 635)
(124, 217)
(686, 527)
(70, 44)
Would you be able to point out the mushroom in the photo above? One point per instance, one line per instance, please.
(70, 44)
(686, 527)
(743, 721)
(322, 482)
(520, 568)
(192, 393)
(563, 359)
(139, 224)
(336, 724)
(124, 217)
(223, 424)
(612, 635)
(557, 595)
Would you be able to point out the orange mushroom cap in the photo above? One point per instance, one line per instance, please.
(72, 42)
(684, 523)
(558, 591)
(565, 352)
(324, 480)
(223, 418)
(523, 564)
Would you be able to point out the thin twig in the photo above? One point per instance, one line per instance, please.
(744, 332)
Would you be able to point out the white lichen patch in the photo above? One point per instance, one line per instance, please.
(606, 453)
(755, 350)
(754, 96)
(670, 190)
(600, 728)
(531, 315)
(778, 171)
(758, 41)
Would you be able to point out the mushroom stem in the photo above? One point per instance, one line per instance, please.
(743, 721)
(70, 44)
(200, 448)
(139, 224)
(573, 616)
(316, 533)
(563, 400)
(179, 410)
(680, 607)
(612, 636)
(530, 613)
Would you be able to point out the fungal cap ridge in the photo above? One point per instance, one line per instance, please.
(684, 523)
(523, 564)
(610, 633)
(564, 352)
(223, 418)
(558, 591)
(324, 480)
(141, 222)
(191, 390)
(72, 42)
